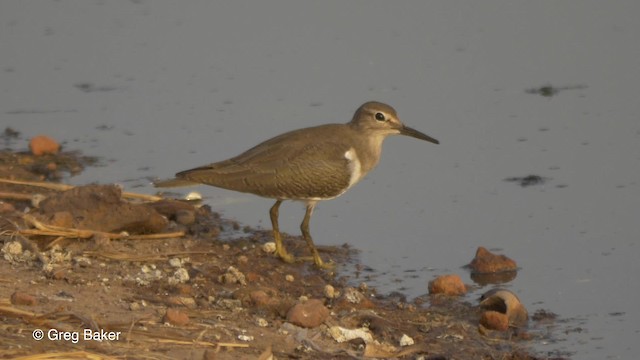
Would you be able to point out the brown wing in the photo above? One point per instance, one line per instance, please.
(291, 166)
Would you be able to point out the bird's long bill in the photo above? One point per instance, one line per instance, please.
(405, 130)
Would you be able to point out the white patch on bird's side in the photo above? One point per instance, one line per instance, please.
(355, 168)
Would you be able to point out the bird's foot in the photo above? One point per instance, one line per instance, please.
(317, 262)
(285, 256)
(324, 265)
(289, 258)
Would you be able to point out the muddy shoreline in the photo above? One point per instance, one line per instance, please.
(152, 279)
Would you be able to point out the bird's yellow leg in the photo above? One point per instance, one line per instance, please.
(280, 250)
(304, 227)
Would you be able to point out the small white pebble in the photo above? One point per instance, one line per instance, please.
(245, 338)
(406, 340)
(12, 248)
(329, 291)
(289, 278)
(179, 277)
(262, 322)
(175, 262)
(269, 247)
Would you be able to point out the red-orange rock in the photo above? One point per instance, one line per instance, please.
(43, 144)
(261, 299)
(175, 317)
(20, 298)
(6, 207)
(58, 274)
(309, 314)
(447, 284)
(494, 320)
(252, 276)
(488, 262)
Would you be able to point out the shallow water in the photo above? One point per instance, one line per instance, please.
(158, 87)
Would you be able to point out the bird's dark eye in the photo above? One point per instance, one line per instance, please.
(380, 117)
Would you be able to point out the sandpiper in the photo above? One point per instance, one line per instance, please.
(310, 165)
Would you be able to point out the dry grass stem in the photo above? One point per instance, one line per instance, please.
(42, 229)
(64, 187)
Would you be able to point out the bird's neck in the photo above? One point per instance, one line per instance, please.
(373, 150)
